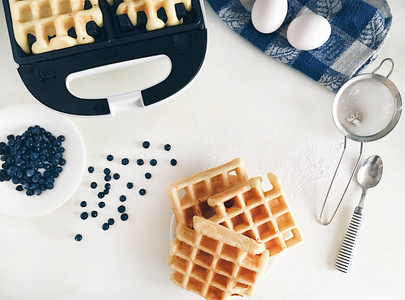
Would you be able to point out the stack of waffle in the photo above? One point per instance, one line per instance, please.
(228, 229)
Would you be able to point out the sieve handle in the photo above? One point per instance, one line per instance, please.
(380, 65)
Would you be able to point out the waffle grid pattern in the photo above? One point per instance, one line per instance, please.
(212, 268)
(262, 216)
(49, 21)
(189, 196)
(151, 7)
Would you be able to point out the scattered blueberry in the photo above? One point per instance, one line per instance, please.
(100, 195)
(146, 144)
(173, 162)
(107, 186)
(83, 204)
(121, 208)
(84, 215)
(116, 176)
(125, 161)
(148, 175)
(110, 157)
(19, 188)
(78, 237)
(107, 171)
(107, 177)
(130, 185)
(105, 226)
(142, 192)
(106, 191)
(111, 221)
(153, 162)
(123, 198)
(93, 185)
(124, 217)
(140, 162)
(168, 147)
(94, 214)
(101, 204)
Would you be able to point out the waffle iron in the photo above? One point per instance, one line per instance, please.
(117, 41)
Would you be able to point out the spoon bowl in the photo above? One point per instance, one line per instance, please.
(370, 172)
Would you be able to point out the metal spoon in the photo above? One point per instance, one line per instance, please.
(368, 176)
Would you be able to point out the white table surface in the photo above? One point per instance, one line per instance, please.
(243, 104)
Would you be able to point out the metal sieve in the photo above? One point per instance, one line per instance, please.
(365, 109)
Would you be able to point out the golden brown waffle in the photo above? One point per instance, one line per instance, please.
(189, 195)
(49, 22)
(262, 216)
(150, 7)
(215, 262)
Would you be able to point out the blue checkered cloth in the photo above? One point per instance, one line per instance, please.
(359, 30)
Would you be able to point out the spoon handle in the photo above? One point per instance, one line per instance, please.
(344, 259)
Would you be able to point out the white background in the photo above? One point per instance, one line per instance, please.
(243, 104)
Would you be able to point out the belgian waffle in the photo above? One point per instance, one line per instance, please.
(262, 216)
(151, 7)
(48, 23)
(189, 196)
(215, 262)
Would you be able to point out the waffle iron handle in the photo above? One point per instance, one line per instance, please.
(186, 57)
(53, 93)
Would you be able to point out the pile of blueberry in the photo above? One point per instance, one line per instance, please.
(32, 160)
(106, 187)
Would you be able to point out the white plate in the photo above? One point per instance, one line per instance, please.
(173, 225)
(15, 120)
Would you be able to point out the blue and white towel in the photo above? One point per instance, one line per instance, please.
(359, 30)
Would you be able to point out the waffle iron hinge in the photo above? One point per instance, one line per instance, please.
(125, 102)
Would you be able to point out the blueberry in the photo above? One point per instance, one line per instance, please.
(29, 192)
(110, 157)
(93, 185)
(173, 162)
(125, 161)
(130, 185)
(49, 186)
(107, 177)
(116, 176)
(91, 169)
(142, 192)
(140, 162)
(124, 217)
(105, 226)
(123, 198)
(100, 195)
(107, 171)
(121, 208)
(148, 175)
(83, 204)
(106, 191)
(94, 214)
(111, 221)
(61, 138)
(78, 237)
(107, 186)
(10, 137)
(153, 162)
(168, 147)
(101, 204)
(38, 191)
(146, 144)
(62, 162)
(19, 188)
(84, 215)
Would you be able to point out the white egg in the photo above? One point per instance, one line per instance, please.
(269, 15)
(308, 32)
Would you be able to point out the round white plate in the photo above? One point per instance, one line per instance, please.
(15, 120)
(173, 225)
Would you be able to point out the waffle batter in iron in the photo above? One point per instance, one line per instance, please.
(46, 25)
